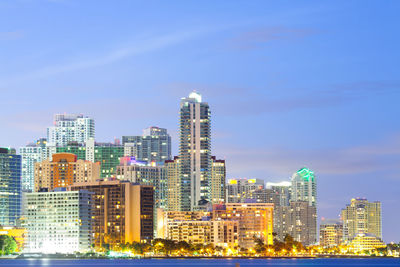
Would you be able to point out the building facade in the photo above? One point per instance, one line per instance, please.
(304, 187)
(68, 128)
(255, 220)
(194, 152)
(330, 233)
(122, 212)
(153, 146)
(64, 169)
(242, 190)
(174, 190)
(10, 187)
(361, 217)
(59, 222)
(217, 182)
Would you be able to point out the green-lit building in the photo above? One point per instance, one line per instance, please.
(108, 154)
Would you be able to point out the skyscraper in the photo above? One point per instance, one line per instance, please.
(70, 127)
(304, 186)
(31, 154)
(153, 146)
(361, 217)
(194, 152)
(10, 187)
(243, 190)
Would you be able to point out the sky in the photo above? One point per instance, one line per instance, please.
(289, 83)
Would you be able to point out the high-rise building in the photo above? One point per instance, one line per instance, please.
(31, 154)
(283, 191)
(108, 155)
(330, 233)
(243, 190)
(218, 178)
(194, 152)
(59, 222)
(68, 128)
(153, 146)
(255, 220)
(304, 187)
(64, 169)
(122, 212)
(10, 187)
(361, 217)
(298, 220)
(174, 190)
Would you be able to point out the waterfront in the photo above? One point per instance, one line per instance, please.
(207, 262)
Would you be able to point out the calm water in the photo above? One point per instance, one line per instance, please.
(206, 262)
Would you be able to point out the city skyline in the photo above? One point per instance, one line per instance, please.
(289, 87)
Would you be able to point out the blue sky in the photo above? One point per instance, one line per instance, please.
(290, 83)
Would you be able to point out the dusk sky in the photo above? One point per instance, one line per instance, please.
(289, 83)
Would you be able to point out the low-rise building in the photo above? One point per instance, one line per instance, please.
(330, 233)
(362, 242)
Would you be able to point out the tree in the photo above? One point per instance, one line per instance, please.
(7, 244)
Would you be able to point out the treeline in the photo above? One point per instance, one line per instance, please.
(8, 245)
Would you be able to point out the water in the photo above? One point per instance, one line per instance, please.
(205, 262)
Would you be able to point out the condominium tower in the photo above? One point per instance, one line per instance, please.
(194, 152)
(70, 127)
(361, 217)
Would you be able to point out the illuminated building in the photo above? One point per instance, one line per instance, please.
(330, 233)
(218, 177)
(363, 242)
(142, 173)
(58, 222)
(122, 211)
(242, 190)
(10, 187)
(194, 153)
(19, 235)
(283, 191)
(107, 154)
(361, 217)
(298, 220)
(64, 170)
(197, 227)
(304, 187)
(68, 128)
(173, 192)
(153, 146)
(254, 220)
(30, 154)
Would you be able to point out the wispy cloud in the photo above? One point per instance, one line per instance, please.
(259, 37)
(11, 35)
(383, 155)
(138, 47)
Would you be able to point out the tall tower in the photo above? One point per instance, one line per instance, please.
(304, 187)
(194, 152)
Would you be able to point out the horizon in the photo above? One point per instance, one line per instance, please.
(289, 84)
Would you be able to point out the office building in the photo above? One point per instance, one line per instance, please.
(59, 222)
(122, 212)
(283, 191)
(64, 169)
(255, 220)
(194, 152)
(361, 217)
(10, 187)
(68, 128)
(242, 190)
(330, 233)
(153, 146)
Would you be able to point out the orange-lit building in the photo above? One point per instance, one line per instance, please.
(64, 169)
(122, 211)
